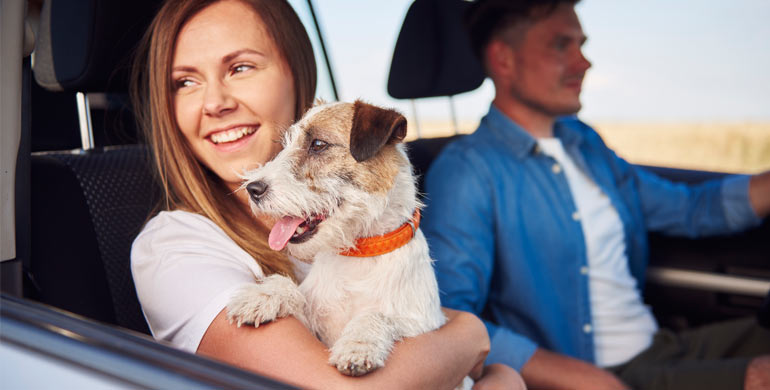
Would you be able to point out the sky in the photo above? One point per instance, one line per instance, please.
(653, 60)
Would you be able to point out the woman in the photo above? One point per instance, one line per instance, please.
(215, 85)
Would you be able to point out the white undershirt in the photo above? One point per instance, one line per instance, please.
(623, 326)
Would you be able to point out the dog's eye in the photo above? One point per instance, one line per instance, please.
(317, 145)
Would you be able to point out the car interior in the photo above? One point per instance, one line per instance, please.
(103, 187)
(84, 183)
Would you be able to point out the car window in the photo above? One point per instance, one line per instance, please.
(677, 84)
(361, 37)
(325, 86)
(681, 84)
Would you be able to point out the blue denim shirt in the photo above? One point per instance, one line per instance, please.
(500, 227)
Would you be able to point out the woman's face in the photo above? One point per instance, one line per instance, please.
(233, 92)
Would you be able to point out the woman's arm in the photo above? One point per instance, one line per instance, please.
(287, 351)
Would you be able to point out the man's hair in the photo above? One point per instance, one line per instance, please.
(485, 19)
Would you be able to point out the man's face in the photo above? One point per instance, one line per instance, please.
(548, 64)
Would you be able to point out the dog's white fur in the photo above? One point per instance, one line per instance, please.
(356, 306)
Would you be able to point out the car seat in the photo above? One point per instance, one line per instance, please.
(432, 58)
(87, 204)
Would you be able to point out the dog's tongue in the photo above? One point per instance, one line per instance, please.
(282, 232)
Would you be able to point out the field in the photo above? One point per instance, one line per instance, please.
(719, 147)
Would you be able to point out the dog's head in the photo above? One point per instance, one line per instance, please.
(342, 174)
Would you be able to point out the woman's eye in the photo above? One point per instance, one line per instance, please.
(182, 83)
(317, 145)
(241, 68)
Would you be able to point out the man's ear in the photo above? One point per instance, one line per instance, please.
(499, 59)
(373, 128)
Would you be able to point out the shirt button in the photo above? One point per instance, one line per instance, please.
(587, 328)
(584, 270)
(576, 216)
(556, 168)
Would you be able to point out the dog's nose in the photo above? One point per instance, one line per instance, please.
(256, 189)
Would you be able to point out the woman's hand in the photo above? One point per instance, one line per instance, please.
(499, 377)
(478, 367)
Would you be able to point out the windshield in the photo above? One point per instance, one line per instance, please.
(677, 84)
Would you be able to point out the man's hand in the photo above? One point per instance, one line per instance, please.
(758, 374)
(500, 376)
(554, 371)
(759, 193)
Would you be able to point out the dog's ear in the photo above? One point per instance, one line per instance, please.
(373, 128)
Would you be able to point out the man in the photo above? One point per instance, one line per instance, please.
(537, 224)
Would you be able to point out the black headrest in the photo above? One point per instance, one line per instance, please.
(433, 56)
(86, 45)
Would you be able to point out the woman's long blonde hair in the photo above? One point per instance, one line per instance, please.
(186, 183)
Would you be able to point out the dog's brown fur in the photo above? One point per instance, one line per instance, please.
(368, 135)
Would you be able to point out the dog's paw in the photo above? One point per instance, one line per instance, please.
(273, 297)
(356, 358)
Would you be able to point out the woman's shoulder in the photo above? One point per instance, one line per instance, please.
(185, 268)
(184, 232)
(180, 219)
(180, 224)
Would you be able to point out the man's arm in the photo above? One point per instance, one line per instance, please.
(500, 376)
(548, 370)
(459, 224)
(759, 194)
(710, 208)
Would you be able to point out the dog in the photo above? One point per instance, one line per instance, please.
(345, 195)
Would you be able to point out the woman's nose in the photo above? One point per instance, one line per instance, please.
(217, 100)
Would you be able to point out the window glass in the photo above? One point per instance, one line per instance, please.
(680, 84)
(324, 88)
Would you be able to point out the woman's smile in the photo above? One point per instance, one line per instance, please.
(232, 134)
(233, 138)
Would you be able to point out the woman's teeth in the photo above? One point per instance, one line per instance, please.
(232, 134)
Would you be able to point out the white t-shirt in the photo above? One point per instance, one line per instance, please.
(623, 326)
(185, 269)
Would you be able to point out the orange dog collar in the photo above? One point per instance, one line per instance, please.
(380, 245)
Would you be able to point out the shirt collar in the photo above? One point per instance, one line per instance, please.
(519, 140)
